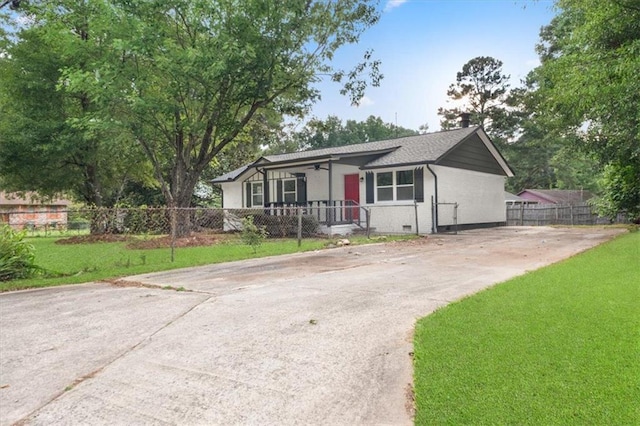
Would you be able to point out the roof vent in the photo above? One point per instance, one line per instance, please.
(465, 119)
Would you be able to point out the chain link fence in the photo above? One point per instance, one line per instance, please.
(278, 222)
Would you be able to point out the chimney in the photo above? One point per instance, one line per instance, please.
(465, 119)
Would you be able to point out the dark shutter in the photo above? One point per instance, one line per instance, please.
(279, 190)
(248, 194)
(369, 185)
(418, 184)
(301, 185)
(265, 190)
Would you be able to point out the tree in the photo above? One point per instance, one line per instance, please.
(13, 4)
(539, 156)
(333, 131)
(185, 78)
(51, 137)
(482, 87)
(589, 88)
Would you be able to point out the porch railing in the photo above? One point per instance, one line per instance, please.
(336, 212)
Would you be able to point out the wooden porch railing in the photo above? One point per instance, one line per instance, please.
(336, 212)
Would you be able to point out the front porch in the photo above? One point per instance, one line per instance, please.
(327, 213)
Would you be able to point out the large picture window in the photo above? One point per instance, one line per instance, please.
(395, 186)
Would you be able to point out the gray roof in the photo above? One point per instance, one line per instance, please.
(418, 149)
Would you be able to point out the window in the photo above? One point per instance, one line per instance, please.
(404, 185)
(257, 191)
(384, 183)
(395, 186)
(289, 191)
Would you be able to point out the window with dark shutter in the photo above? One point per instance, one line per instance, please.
(301, 183)
(418, 181)
(247, 194)
(279, 190)
(369, 183)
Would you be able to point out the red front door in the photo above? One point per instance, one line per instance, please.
(352, 195)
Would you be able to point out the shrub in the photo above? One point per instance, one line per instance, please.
(16, 255)
(252, 235)
(282, 226)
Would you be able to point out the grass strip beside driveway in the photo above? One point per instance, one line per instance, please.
(80, 263)
(560, 345)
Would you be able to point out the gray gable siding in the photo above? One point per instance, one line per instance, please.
(472, 154)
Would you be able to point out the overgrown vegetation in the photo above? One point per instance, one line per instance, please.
(17, 259)
(555, 346)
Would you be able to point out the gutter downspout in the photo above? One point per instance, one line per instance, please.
(434, 228)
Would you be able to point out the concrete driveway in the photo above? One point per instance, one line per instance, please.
(314, 338)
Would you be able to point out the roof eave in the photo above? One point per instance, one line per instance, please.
(389, 166)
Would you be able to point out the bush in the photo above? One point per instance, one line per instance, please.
(282, 226)
(16, 256)
(252, 235)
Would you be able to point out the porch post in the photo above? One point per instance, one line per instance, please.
(330, 211)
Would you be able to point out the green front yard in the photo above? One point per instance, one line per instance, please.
(557, 346)
(78, 263)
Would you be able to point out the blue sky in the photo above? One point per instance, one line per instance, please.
(423, 44)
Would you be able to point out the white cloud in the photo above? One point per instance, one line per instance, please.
(392, 4)
(365, 102)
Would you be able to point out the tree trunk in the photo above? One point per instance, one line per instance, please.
(182, 187)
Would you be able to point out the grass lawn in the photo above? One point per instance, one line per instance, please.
(78, 263)
(560, 345)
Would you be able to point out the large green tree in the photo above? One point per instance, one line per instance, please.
(186, 78)
(333, 131)
(481, 87)
(589, 88)
(52, 136)
(539, 156)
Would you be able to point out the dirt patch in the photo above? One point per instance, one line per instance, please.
(195, 240)
(125, 283)
(90, 239)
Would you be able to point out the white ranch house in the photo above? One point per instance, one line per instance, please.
(404, 185)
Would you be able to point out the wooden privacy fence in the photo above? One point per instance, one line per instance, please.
(554, 214)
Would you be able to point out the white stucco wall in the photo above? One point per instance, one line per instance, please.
(318, 182)
(231, 195)
(480, 196)
(399, 217)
